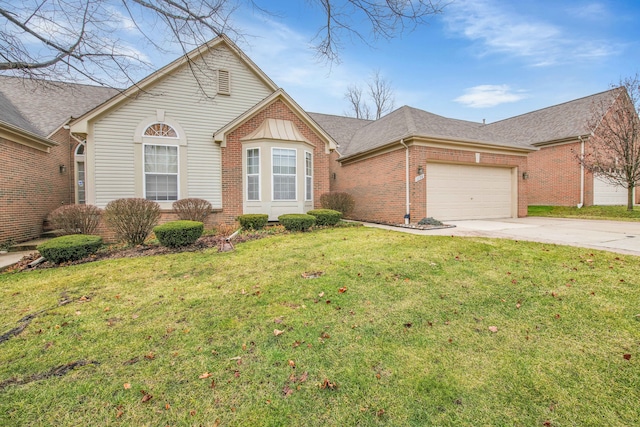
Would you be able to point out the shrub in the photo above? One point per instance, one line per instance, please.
(253, 221)
(70, 248)
(192, 209)
(341, 202)
(326, 216)
(132, 219)
(429, 221)
(178, 233)
(76, 219)
(297, 222)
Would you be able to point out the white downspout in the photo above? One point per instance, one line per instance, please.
(408, 201)
(581, 204)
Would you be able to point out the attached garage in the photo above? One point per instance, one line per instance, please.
(457, 192)
(605, 193)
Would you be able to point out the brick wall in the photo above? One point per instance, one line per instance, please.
(232, 159)
(32, 186)
(554, 177)
(378, 183)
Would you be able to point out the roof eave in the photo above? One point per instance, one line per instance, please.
(81, 124)
(29, 139)
(565, 140)
(220, 136)
(409, 140)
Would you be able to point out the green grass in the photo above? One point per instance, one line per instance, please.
(616, 213)
(407, 343)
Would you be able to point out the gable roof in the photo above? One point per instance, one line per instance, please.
(558, 122)
(80, 125)
(221, 134)
(41, 107)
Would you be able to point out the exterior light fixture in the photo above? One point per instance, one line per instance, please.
(62, 168)
(420, 170)
(525, 175)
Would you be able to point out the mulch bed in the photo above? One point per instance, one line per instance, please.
(115, 252)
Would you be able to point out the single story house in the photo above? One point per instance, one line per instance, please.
(213, 125)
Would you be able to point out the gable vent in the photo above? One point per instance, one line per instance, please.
(224, 82)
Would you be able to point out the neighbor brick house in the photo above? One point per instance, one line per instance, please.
(212, 125)
(37, 152)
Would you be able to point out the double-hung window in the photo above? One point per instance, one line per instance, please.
(161, 172)
(284, 174)
(253, 174)
(308, 176)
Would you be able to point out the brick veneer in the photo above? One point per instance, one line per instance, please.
(232, 159)
(378, 183)
(32, 185)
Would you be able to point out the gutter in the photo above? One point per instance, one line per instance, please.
(407, 216)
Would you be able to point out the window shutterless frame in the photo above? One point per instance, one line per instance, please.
(161, 171)
(308, 176)
(252, 157)
(284, 174)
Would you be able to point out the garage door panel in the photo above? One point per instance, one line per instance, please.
(605, 193)
(468, 192)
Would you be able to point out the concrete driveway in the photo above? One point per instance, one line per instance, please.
(615, 236)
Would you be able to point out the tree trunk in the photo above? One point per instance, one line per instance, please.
(630, 198)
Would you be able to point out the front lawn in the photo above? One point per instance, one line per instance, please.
(396, 330)
(616, 213)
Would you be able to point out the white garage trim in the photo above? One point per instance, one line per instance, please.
(605, 193)
(456, 191)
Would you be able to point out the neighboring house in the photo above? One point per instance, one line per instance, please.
(37, 153)
(560, 132)
(212, 125)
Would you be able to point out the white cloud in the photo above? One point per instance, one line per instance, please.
(504, 31)
(485, 96)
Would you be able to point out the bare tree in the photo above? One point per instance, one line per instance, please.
(380, 94)
(358, 107)
(614, 145)
(85, 39)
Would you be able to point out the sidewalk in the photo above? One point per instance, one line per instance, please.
(11, 258)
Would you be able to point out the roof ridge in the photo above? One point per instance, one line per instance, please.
(36, 80)
(554, 106)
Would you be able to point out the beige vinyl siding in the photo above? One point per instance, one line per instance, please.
(183, 102)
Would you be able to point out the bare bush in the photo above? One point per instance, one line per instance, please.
(132, 219)
(192, 209)
(338, 201)
(76, 219)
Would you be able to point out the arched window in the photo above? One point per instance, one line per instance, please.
(161, 130)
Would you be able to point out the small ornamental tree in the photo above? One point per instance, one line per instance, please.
(613, 152)
(132, 219)
(192, 209)
(76, 219)
(338, 201)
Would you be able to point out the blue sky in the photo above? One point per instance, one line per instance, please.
(481, 59)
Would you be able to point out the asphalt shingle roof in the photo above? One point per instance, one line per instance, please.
(40, 107)
(567, 120)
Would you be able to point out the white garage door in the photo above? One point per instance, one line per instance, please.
(605, 193)
(468, 192)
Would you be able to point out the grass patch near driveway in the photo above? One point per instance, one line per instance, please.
(615, 213)
(396, 330)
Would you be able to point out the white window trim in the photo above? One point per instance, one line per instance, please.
(161, 136)
(80, 158)
(273, 189)
(246, 187)
(310, 198)
(144, 173)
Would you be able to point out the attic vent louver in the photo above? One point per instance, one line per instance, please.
(224, 82)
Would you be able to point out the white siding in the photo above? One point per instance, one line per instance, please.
(182, 101)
